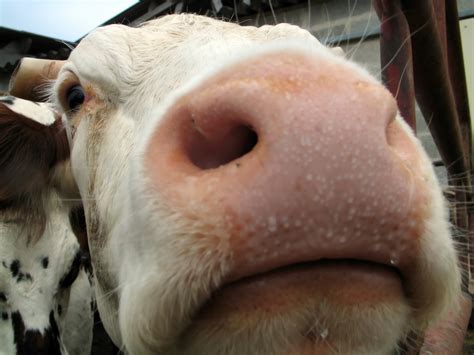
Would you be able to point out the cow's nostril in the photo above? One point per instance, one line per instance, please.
(209, 151)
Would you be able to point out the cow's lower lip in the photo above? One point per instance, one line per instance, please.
(340, 283)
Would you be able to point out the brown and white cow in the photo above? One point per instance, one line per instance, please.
(45, 294)
(249, 191)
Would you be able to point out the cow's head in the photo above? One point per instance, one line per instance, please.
(45, 295)
(247, 190)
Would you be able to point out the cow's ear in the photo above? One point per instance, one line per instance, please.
(29, 151)
(30, 76)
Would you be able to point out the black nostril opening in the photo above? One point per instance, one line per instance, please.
(209, 152)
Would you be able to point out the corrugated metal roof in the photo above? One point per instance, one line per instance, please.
(15, 45)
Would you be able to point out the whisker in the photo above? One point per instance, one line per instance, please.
(273, 12)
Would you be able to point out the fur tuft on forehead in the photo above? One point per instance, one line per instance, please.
(28, 151)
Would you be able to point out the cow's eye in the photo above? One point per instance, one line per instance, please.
(71, 275)
(75, 97)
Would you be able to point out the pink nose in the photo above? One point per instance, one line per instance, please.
(290, 158)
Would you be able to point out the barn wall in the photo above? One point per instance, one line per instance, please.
(4, 77)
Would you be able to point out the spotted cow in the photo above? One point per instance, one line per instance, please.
(45, 293)
(250, 191)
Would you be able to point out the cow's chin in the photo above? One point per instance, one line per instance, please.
(325, 307)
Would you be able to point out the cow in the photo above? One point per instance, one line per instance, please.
(45, 292)
(249, 191)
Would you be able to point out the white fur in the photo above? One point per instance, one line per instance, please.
(35, 300)
(42, 112)
(144, 255)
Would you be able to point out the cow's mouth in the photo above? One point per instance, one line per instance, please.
(341, 283)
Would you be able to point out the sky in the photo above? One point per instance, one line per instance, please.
(68, 20)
